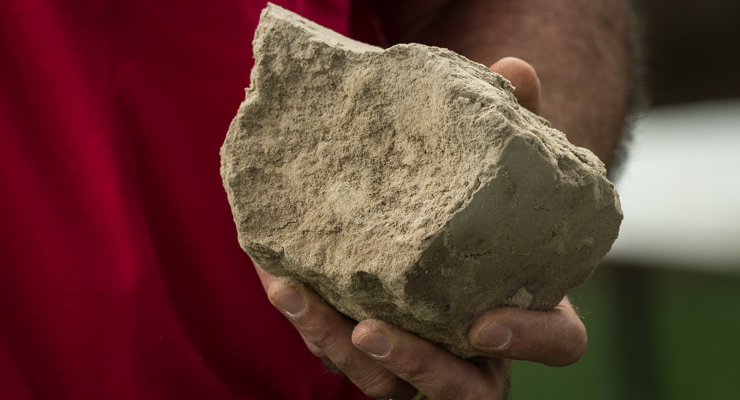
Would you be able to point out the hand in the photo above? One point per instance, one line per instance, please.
(389, 363)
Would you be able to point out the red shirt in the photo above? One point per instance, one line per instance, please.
(120, 272)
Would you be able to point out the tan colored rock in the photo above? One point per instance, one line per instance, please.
(407, 184)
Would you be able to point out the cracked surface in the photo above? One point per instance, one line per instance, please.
(407, 184)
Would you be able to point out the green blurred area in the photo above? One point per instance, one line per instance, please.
(653, 334)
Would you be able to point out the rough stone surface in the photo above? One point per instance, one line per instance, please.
(407, 184)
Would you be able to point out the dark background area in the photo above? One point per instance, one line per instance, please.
(692, 49)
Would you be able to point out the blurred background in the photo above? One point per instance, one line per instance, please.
(663, 309)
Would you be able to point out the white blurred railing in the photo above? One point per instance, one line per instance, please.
(680, 189)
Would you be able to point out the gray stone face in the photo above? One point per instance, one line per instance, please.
(407, 184)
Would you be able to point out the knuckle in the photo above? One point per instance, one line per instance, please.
(315, 350)
(411, 369)
(570, 344)
(316, 327)
(319, 335)
(577, 348)
(345, 361)
(570, 350)
(581, 342)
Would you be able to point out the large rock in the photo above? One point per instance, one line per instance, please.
(407, 184)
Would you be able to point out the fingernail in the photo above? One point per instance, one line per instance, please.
(495, 337)
(375, 344)
(290, 302)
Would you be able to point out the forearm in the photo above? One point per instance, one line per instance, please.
(579, 48)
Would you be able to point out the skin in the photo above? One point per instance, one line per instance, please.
(580, 51)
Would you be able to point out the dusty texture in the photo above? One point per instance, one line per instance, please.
(407, 184)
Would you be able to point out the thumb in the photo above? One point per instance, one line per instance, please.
(555, 338)
(524, 78)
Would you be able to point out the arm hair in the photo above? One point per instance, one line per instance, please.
(584, 52)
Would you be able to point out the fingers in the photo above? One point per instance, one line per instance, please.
(387, 362)
(327, 334)
(435, 372)
(524, 79)
(382, 360)
(555, 338)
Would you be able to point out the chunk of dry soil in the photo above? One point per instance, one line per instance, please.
(407, 184)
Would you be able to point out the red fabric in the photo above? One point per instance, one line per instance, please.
(120, 272)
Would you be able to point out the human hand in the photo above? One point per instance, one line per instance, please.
(389, 363)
